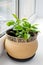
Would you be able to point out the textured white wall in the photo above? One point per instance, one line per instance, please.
(39, 8)
(26, 8)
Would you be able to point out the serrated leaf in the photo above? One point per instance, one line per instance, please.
(37, 31)
(35, 24)
(26, 36)
(18, 21)
(18, 27)
(14, 15)
(34, 30)
(9, 23)
(34, 27)
(26, 24)
(24, 19)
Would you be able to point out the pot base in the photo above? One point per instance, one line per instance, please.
(21, 60)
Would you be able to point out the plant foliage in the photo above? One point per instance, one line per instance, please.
(24, 29)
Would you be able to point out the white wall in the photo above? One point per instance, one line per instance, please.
(7, 7)
(39, 8)
(26, 8)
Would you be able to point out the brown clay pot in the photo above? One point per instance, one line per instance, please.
(19, 48)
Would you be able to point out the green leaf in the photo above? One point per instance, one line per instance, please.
(36, 24)
(34, 30)
(18, 21)
(24, 19)
(18, 27)
(23, 27)
(9, 23)
(26, 36)
(34, 27)
(14, 15)
(37, 31)
(26, 25)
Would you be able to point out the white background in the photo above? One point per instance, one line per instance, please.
(39, 8)
(26, 8)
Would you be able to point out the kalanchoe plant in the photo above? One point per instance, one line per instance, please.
(22, 28)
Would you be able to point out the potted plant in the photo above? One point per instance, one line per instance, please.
(21, 41)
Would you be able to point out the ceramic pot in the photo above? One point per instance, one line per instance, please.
(19, 48)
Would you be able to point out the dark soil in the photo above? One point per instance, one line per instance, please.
(12, 32)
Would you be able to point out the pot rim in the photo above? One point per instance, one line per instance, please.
(17, 39)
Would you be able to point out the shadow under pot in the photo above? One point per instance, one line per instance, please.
(20, 49)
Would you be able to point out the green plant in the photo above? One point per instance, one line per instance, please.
(24, 29)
